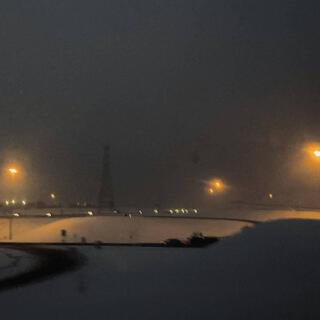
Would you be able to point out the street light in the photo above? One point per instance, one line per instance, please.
(316, 153)
(215, 186)
(218, 185)
(313, 150)
(13, 171)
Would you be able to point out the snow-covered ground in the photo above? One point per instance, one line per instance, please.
(122, 229)
(270, 271)
(13, 262)
(137, 229)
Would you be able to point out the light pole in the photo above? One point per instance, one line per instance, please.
(14, 174)
(10, 228)
(311, 166)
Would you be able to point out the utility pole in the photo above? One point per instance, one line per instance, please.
(10, 228)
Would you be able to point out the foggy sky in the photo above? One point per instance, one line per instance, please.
(231, 81)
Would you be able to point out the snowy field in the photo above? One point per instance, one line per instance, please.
(137, 229)
(114, 229)
(270, 271)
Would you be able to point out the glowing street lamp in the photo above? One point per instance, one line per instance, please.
(313, 150)
(13, 171)
(216, 186)
(52, 196)
(316, 153)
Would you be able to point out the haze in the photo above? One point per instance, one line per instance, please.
(180, 90)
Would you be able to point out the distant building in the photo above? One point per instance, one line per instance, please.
(106, 197)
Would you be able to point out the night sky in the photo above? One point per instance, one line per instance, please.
(180, 90)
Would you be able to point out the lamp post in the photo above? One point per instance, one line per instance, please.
(10, 228)
(14, 175)
(311, 166)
